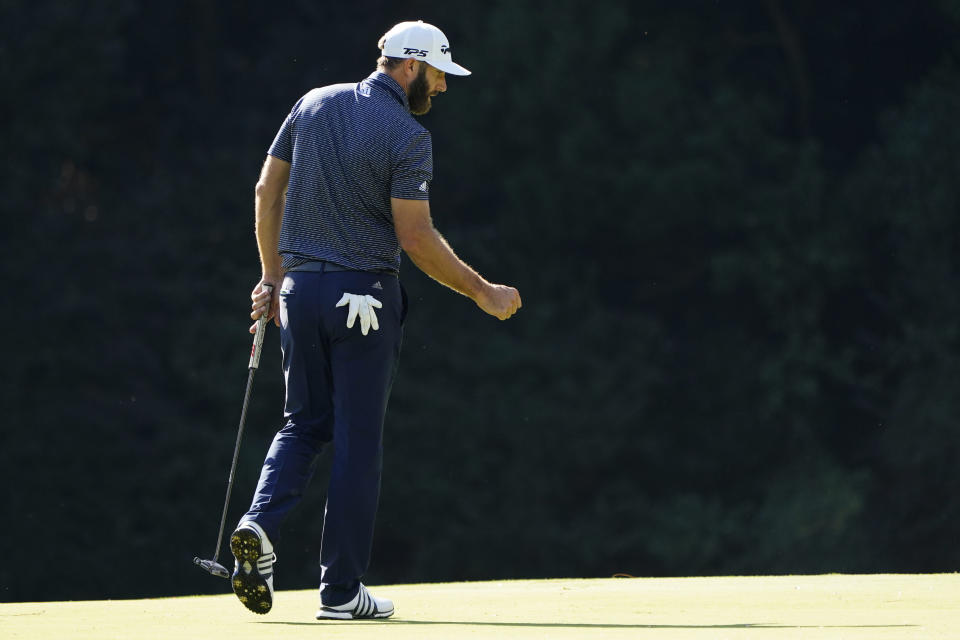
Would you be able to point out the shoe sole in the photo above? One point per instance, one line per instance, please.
(252, 590)
(330, 614)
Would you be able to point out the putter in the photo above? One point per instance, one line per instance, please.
(213, 567)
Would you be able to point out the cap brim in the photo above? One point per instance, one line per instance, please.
(451, 67)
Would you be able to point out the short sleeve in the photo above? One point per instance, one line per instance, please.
(413, 169)
(282, 146)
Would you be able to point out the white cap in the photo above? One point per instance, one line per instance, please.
(421, 41)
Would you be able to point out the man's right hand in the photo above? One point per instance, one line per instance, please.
(499, 300)
(265, 301)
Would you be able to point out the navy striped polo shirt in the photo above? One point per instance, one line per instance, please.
(351, 147)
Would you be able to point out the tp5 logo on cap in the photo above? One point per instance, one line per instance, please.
(424, 42)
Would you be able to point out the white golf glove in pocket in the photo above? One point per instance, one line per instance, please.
(362, 306)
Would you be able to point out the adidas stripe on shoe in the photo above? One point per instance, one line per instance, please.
(252, 579)
(363, 606)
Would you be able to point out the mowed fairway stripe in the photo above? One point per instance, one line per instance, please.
(871, 607)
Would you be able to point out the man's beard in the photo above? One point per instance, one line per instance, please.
(418, 94)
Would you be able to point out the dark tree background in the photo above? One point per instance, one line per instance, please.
(734, 226)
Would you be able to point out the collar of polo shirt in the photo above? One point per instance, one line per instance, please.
(424, 42)
(385, 81)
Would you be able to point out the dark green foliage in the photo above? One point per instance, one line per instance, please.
(734, 227)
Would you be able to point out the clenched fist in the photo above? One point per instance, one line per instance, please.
(499, 300)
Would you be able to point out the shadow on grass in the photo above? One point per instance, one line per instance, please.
(572, 625)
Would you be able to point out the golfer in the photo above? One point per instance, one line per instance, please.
(344, 188)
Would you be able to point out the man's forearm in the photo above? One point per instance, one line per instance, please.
(432, 255)
(271, 193)
(269, 218)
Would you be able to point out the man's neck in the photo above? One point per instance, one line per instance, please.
(397, 77)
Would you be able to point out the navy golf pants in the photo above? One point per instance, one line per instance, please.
(338, 382)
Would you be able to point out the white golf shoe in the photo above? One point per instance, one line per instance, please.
(252, 579)
(363, 606)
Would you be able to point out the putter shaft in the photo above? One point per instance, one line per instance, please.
(213, 566)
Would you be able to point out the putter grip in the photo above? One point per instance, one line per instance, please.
(258, 338)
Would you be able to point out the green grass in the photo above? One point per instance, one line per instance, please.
(874, 607)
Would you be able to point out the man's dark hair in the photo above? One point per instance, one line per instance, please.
(389, 64)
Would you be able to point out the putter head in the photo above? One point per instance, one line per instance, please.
(213, 568)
